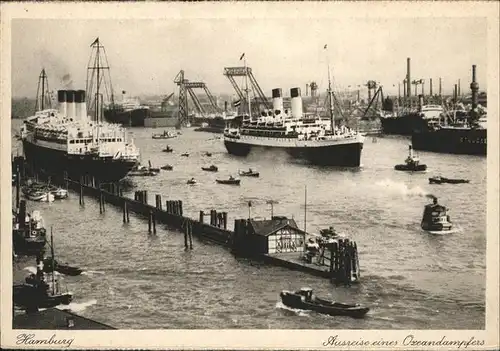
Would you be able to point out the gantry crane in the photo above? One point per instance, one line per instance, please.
(260, 100)
(185, 86)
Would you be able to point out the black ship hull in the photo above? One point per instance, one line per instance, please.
(32, 297)
(27, 245)
(403, 125)
(452, 141)
(56, 162)
(341, 155)
(133, 118)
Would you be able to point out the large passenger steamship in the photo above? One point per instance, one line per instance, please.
(303, 136)
(68, 140)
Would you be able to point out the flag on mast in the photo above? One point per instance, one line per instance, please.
(242, 55)
(95, 41)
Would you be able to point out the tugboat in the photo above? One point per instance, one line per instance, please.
(144, 171)
(304, 299)
(28, 231)
(208, 154)
(412, 163)
(191, 181)
(186, 154)
(249, 173)
(37, 293)
(168, 149)
(167, 167)
(436, 219)
(212, 168)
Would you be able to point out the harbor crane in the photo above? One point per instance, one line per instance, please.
(260, 100)
(376, 89)
(187, 87)
(165, 101)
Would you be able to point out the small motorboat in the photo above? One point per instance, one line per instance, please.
(186, 154)
(208, 154)
(304, 299)
(59, 193)
(249, 173)
(35, 189)
(229, 181)
(441, 180)
(143, 171)
(212, 168)
(435, 218)
(412, 163)
(165, 135)
(168, 149)
(167, 167)
(191, 181)
(39, 195)
(61, 268)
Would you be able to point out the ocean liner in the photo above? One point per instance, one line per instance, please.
(308, 137)
(68, 140)
(464, 136)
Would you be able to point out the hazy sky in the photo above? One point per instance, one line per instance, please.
(146, 55)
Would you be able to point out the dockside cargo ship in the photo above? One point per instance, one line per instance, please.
(129, 113)
(302, 136)
(466, 137)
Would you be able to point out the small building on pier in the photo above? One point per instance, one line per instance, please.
(268, 236)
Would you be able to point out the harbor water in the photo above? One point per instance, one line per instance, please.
(409, 278)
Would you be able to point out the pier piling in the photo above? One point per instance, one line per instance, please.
(202, 216)
(153, 220)
(150, 217)
(224, 218)
(158, 202)
(18, 185)
(101, 209)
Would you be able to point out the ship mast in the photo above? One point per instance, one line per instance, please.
(43, 83)
(330, 93)
(246, 87)
(99, 64)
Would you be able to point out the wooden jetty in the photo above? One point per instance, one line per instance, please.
(277, 241)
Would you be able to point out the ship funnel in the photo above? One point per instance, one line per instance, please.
(61, 99)
(70, 104)
(296, 103)
(80, 105)
(474, 87)
(277, 101)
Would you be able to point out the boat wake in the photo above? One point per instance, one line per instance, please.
(400, 188)
(77, 307)
(30, 269)
(302, 313)
(445, 232)
(91, 273)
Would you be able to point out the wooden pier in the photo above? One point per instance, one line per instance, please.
(342, 267)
